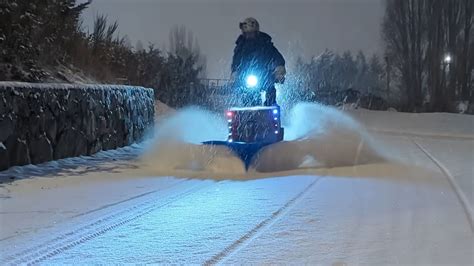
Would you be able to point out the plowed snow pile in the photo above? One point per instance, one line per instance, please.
(316, 137)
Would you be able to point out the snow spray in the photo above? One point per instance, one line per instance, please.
(316, 137)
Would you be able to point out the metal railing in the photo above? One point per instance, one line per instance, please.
(213, 83)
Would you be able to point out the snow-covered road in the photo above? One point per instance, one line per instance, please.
(415, 208)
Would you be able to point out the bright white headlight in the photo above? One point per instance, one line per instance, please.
(252, 81)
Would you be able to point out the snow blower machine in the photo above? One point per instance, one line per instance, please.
(253, 125)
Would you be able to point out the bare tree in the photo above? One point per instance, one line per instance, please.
(184, 45)
(404, 36)
(466, 61)
(429, 42)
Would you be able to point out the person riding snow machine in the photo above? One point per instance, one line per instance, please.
(256, 66)
(256, 63)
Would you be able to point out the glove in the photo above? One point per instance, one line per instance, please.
(279, 74)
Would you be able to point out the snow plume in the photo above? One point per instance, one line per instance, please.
(315, 137)
(192, 125)
(318, 136)
(178, 145)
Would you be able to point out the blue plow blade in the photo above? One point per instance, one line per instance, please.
(244, 150)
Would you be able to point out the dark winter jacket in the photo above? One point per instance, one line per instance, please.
(258, 53)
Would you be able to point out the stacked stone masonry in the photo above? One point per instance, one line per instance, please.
(44, 122)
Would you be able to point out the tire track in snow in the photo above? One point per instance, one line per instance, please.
(126, 200)
(460, 195)
(104, 206)
(93, 230)
(259, 228)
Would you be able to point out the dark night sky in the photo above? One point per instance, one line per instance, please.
(298, 27)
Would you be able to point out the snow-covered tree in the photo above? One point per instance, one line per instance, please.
(139, 46)
(329, 77)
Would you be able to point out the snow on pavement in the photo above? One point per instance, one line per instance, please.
(193, 229)
(395, 215)
(424, 124)
(335, 194)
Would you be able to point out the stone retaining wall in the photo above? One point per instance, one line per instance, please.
(43, 122)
